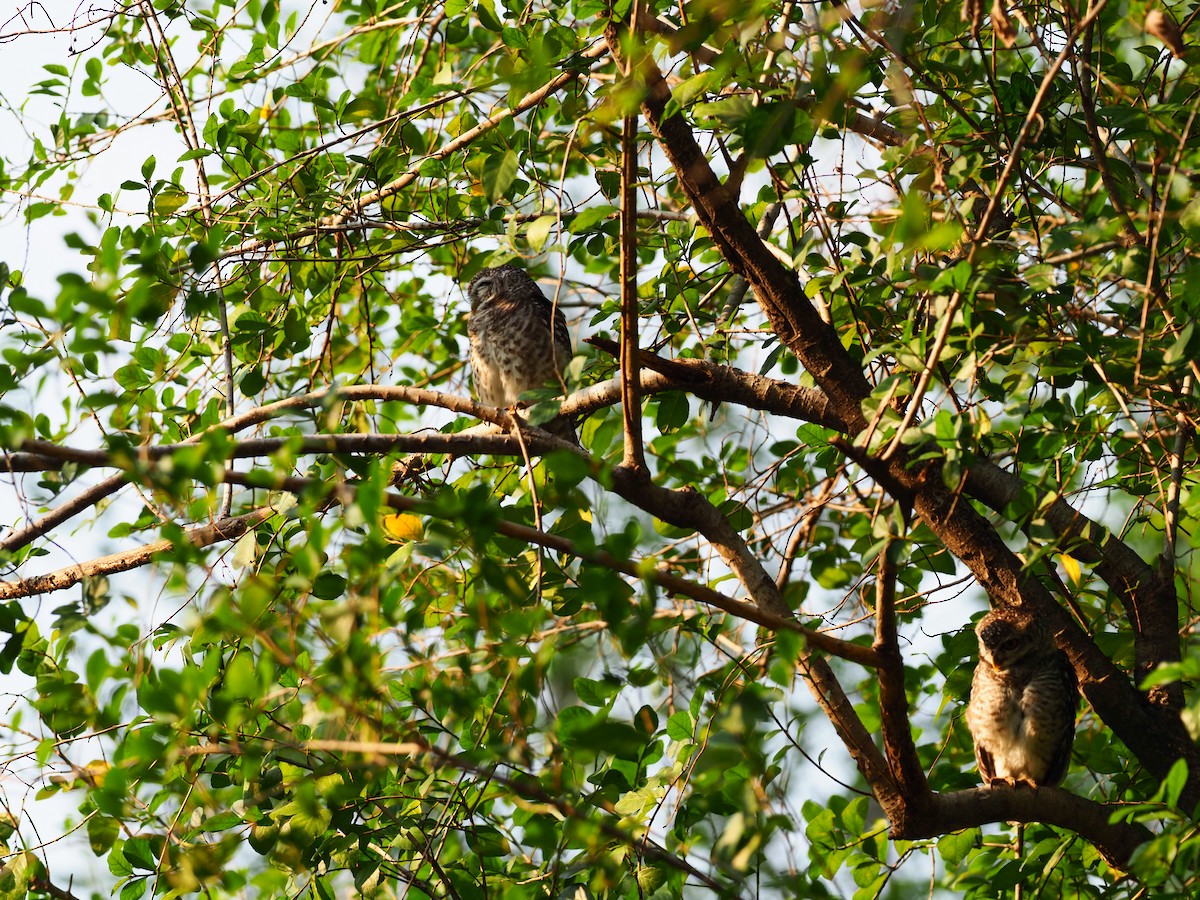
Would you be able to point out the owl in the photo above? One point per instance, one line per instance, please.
(519, 340)
(1023, 700)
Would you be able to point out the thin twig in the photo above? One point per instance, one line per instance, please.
(631, 402)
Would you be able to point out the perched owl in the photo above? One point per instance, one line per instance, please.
(519, 341)
(1023, 700)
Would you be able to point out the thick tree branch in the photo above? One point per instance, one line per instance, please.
(725, 384)
(706, 380)
(985, 805)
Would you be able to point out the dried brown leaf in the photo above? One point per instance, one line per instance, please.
(1001, 25)
(1166, 29)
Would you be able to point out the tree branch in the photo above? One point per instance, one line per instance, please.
(893, 699)
(793, 317)
(726, 384)
(64, 511)
(1157, 740)
(631, 401)
(201, 536)
(660, 575)
(984, 805)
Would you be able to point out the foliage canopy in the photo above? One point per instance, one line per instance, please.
(913, 292)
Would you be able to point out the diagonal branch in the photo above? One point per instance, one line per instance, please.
(342, 492)
(229, 529)
(778, 290)
(64, 511)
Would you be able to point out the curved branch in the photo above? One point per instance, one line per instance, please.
(957, 810)
(1157, 739)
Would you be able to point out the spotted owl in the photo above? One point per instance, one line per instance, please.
(519, 340)
(1023, 699)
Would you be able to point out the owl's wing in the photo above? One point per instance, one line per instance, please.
(983, 760)
(1061, 760)
(976, 717)
(562, 339)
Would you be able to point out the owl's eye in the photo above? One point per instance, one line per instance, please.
(1010, 645)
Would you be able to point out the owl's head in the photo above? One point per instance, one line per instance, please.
(1009, 637)
(509, 282)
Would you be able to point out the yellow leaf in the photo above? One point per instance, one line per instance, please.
(402, 527)
(1072, 567)
(245, 550)
(93, 773)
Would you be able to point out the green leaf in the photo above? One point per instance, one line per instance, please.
(1181, 349)
(1175, 782)
(18, 874)
(102, 833)
(673, 412)
(680, 725)
(141, 852)
(499, 173)
(487, 15)
(587, 218)
(169, 200)
(539, 231)
(597, 693)
(955, 847)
